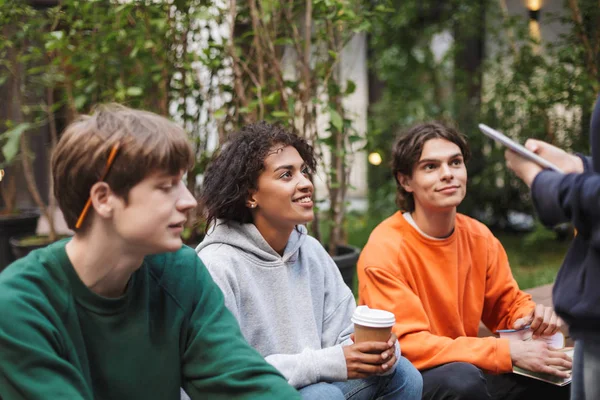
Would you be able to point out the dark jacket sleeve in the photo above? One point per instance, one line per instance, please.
(587, 162)
(572, 197)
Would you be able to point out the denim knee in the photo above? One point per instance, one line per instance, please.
(321, 390)
(411, 379)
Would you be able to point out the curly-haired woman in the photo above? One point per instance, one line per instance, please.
(280, 283)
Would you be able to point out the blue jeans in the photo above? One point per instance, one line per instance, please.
(586, 370)
(404, 383)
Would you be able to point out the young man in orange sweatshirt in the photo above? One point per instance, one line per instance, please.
(441, 273)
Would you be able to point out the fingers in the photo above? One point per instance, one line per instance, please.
(358, 369)
(538, 320)
(389, 363)
(372, 359)
(392, 340)
(555, 372)
(372, 347)
(509, 155)
(546, 322)
(552, 325)
(533, 145)
(559, 362)
(524, 321)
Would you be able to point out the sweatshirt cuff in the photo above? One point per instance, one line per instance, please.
(587, 162)
(331, 364)
(503, 356)
(544, 192)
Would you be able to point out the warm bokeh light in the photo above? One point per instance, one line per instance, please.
(534, 5)
(534, 31)
(375, 158)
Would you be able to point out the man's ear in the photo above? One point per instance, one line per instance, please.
(404, 181)
(102, 199)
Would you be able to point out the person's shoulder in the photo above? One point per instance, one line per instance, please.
(183, 263)
(391, 226)
(40, 265)
(471, 227)
(33, 282)
(177, 272)
(218, 253)
(389, 232)
(312, 244)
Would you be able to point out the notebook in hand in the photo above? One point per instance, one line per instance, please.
(556, 341)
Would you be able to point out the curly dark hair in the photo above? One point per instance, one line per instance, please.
(408, 148)
(234, 172)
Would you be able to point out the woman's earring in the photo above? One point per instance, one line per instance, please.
(252, 205)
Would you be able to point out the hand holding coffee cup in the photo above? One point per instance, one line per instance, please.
(374, 350)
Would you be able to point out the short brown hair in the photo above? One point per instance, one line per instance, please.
(407, 152)
(148, 143)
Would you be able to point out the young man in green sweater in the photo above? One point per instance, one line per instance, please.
(122, 310)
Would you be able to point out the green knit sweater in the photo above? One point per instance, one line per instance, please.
(59, 340)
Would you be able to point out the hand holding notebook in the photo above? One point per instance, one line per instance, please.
(544, 358)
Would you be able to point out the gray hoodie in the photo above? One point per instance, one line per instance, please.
(294, 309)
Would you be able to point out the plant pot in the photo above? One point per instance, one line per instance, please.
(24, 244)
(346, 258)
(11, 225)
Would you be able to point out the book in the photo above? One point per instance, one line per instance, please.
(556, 341)
(517, 147)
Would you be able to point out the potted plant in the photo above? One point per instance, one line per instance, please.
(13, 221)
(20, 68)
(69, 57)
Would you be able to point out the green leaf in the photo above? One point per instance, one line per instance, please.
(364, 26)
(219, 114)
(283, 41)
(355, 138)
(58, 35)
(279, 114)
(291, 106)
(350, 87)
(79, 102)
(134, 91)
(336, 119)
(12, 136)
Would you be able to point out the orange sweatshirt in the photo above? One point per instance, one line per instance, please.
(439, 290)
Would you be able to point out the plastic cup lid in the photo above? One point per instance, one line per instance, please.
(373, 318)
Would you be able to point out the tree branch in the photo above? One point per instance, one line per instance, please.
(590, 55)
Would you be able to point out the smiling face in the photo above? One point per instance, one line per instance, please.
(439, 178)
(283, 197)
(151, 220)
